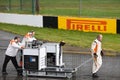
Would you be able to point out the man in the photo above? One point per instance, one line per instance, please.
(29, 37)
(96, 51)
(11, 53)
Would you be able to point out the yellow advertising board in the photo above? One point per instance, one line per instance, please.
(87, 24)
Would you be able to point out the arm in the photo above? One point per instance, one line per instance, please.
(34, 38)
(15, 45)
(94, 48)
(94, 51)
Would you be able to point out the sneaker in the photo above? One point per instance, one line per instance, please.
(94, 75)
(4, 73)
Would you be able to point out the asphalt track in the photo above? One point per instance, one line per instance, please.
(110, 69)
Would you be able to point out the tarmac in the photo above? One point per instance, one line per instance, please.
(110, 69)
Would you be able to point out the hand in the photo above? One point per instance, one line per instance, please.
(22, 47)
(102, 53)
(95, 55)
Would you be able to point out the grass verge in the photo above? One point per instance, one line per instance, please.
(74, 38)
(77, 8)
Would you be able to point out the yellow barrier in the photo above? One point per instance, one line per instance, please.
(87, 24)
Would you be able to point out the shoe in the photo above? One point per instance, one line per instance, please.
(4, 73)
(94, 75)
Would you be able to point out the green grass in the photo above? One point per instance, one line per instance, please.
(82, 8)
(77, 8)
(111, 42)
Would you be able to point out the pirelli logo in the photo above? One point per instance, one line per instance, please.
(87, 25)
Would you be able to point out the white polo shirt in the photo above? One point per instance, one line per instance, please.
(12, 48)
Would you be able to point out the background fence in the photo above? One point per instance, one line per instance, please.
(77, 8)
(19, 6)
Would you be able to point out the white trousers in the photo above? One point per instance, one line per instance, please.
(97, 63)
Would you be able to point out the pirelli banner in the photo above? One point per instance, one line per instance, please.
(87, 24)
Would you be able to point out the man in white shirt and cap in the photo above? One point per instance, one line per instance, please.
(96, 52)
(11, 53)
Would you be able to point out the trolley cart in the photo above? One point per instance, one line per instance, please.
(45, 60)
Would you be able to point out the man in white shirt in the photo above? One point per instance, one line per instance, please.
(11, 53)
(96, 50)
(28, 38)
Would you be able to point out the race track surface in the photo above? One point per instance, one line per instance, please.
(110, 69)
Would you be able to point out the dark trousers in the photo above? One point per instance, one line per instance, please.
(7, 59)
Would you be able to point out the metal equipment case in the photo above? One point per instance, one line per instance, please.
(45, 60)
